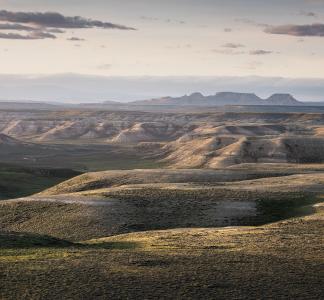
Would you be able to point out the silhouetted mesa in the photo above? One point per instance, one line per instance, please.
(221, 99)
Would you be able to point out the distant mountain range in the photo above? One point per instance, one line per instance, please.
(221, 99)
(224, 101)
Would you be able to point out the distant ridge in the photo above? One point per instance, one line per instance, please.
(283, 99)
(221, 99)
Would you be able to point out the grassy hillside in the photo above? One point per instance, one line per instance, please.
(16, 181)
(161, 206)
(104, 213)
(84, 158)
(279, 261)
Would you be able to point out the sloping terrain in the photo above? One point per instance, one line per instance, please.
(148, 132)
(198, 140)
(208, 151)
(108, 179)
(96, 207)
(81, 157)
(283, 260)
(239, 191)
(73, 125)
(135, 127)
(17, 181)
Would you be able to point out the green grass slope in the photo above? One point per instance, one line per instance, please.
(84, 216)
(279, 261)
(17, 181)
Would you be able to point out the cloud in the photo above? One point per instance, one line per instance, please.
(260, 52)
(45, 25)
(55, 30)
(75, 39)
(35, 35)
(42, 35)
(233, 46)
(19, 27)
(228, 29)
(308, 14)
(316, 29)
(56, 20)
(15, 26)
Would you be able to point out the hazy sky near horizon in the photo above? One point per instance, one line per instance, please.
(172, 37)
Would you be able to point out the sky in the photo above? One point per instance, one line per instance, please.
(169, 38)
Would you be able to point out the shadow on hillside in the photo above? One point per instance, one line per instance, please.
(275, 211)
(9, 240)
(29, 240)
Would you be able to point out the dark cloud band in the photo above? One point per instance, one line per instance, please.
(260, 52)
(56, 20)
(15, 26)
(233, 45)
(35, 35)
(297, 30)
(75, 39)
